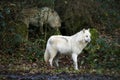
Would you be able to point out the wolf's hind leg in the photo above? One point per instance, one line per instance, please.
(52, 56)
(57, 59)
(56, 62)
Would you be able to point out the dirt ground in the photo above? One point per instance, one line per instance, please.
(60, 76)
(22, 70)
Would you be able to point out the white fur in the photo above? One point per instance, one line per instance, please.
(71, 45)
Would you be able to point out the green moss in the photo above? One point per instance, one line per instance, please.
(94, 35)
(93, 46)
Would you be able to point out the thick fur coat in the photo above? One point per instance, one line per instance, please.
(71, 45)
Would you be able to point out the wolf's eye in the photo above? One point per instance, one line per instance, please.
(86, 35)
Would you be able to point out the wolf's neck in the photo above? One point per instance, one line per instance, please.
(75, 36)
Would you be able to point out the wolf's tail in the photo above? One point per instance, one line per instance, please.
(46, 56)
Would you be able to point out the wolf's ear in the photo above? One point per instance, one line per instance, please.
(83, 30)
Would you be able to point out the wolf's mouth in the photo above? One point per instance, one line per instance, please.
(87, 41)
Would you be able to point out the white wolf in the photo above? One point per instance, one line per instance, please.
(71, 45)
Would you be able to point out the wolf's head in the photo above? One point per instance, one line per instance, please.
(86, 35)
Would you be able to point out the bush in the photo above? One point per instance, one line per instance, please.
(103, 52)
(12, 33)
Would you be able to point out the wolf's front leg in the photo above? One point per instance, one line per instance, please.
(74, 57)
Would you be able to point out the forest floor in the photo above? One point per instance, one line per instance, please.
(23, 70)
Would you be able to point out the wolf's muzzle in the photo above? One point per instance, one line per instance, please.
(88, 40)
